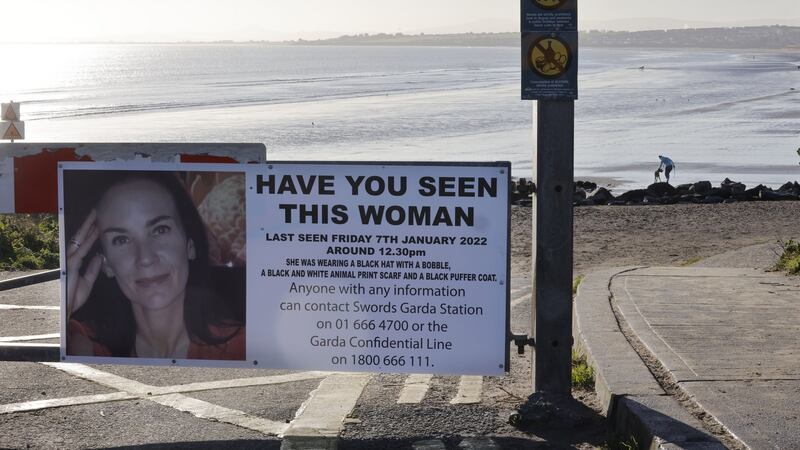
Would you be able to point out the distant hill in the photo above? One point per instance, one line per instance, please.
(767, 37)
(444, 40)
(771, 37)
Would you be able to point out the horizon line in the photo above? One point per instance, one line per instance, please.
(363, 35)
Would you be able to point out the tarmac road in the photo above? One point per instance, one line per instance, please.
(55, 405)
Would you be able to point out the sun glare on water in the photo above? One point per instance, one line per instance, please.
(35, 69)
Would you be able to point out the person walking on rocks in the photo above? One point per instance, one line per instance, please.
(667, 164)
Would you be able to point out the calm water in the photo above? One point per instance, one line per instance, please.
(717, 114)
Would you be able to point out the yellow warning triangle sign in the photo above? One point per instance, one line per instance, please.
(9, 113)
(12, 133)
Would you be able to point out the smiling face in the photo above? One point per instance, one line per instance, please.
(145, 244)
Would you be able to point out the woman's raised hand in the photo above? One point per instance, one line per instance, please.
(80, 286)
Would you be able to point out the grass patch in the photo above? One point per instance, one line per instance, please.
(575, 283)
(28, 242)
(618, 443)
(691, 261)
(582, 372)
(789, 260)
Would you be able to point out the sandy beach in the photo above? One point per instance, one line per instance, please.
(668, 235)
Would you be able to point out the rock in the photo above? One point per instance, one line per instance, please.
(683, 189)
(712, 199)
(530, 187)
(718, 192)
(660, 190)
(650, 200)
(601, 196)
(578, 195)
(634, 196)
(769, 194)
(754, 193)
(790, 188)
(587, 186)
(689, 198)
(701, 187)
(733, 186)
(522, 187)
(671, 200)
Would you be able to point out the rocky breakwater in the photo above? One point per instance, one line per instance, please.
(589, 194)
(701, 192)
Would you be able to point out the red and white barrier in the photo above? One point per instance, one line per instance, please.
(29, 176)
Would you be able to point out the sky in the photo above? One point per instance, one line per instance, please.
(204, 20)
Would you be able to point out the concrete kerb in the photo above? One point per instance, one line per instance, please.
(634, 402)
(29, 352)
(27, 280)
(32, 352)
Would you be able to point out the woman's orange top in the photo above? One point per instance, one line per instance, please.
(233, 349)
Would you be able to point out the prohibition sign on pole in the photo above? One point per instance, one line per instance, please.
(550, 57)
(549, 4)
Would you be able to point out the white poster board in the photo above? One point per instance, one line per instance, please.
(375, 267)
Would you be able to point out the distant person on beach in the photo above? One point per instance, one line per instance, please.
(667, 164)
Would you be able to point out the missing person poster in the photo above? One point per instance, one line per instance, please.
(374, 267)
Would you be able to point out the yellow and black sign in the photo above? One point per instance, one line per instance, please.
(550, 66)
(550, 4)
(550, 57)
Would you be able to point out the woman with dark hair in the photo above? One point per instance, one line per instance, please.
(138, 274)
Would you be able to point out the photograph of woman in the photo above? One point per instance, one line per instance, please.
(155, 264)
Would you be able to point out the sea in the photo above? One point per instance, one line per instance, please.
(717, 113)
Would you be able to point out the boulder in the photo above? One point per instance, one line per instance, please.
(769, 194)
(588, 186)
(689, 198)
(791, 188)
(522, 187)
(718, 192)
(712, 199)
(601, 196)
(701, 187)
(660, 190)
(754, 193)
(650, 200)
(683, 189)
(733, 186)
(634, 196)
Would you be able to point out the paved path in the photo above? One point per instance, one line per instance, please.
(729, 338)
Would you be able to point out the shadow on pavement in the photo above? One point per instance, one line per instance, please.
(632, 417)
(539, 424)
(208, 445)
(451, 443)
